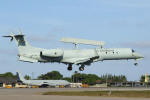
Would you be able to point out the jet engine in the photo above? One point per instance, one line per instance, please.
(52, 53)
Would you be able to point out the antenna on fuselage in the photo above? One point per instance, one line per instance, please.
(75, 45)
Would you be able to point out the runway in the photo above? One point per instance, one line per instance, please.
(36, 94)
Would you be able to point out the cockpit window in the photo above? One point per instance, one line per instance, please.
(133, 50)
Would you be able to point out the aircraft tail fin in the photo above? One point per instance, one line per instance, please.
(20, 77)
(22, 44)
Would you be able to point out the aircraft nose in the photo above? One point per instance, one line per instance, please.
(137, 55)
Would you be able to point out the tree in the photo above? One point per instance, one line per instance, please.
(27, 77)
(67, 79)
(90, 79)
(142, 79)
(113, 78)
(8, 74)
(54, 75)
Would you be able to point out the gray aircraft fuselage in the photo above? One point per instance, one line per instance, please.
(42, 82)
(82, 57)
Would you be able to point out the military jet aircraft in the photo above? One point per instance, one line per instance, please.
(76, 56)
(42, 83)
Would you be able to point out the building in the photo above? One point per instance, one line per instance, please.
(147, 77)
(128, 84)
(9, 82)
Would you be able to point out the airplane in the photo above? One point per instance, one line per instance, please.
(42, 83)
(81, 57)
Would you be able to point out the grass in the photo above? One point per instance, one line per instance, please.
(142, 94)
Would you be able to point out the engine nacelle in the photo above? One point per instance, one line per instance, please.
(52, 53)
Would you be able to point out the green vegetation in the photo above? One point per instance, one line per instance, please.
(27, 77)
(137, 94)
(54, 75)
(90, 79)
(113, 78)
(85, 78)
(8, 74)
(142, 79)
(67, 79)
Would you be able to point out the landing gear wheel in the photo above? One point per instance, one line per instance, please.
(69, 67)
(136, 64)
(81, 68)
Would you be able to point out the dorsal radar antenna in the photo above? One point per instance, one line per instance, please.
(75, 45)
(76, 41)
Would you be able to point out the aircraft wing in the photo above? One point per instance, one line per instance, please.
(82, 60)
(26, 59)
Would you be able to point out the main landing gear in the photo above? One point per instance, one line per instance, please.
(81, 68)
(69, 67)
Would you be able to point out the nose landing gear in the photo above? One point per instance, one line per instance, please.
(69, 67)
(136, 64)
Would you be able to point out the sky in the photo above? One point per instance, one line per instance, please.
(120, 23)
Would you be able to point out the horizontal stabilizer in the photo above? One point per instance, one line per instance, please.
(12, 36)
(7, 36)
(82, 41)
